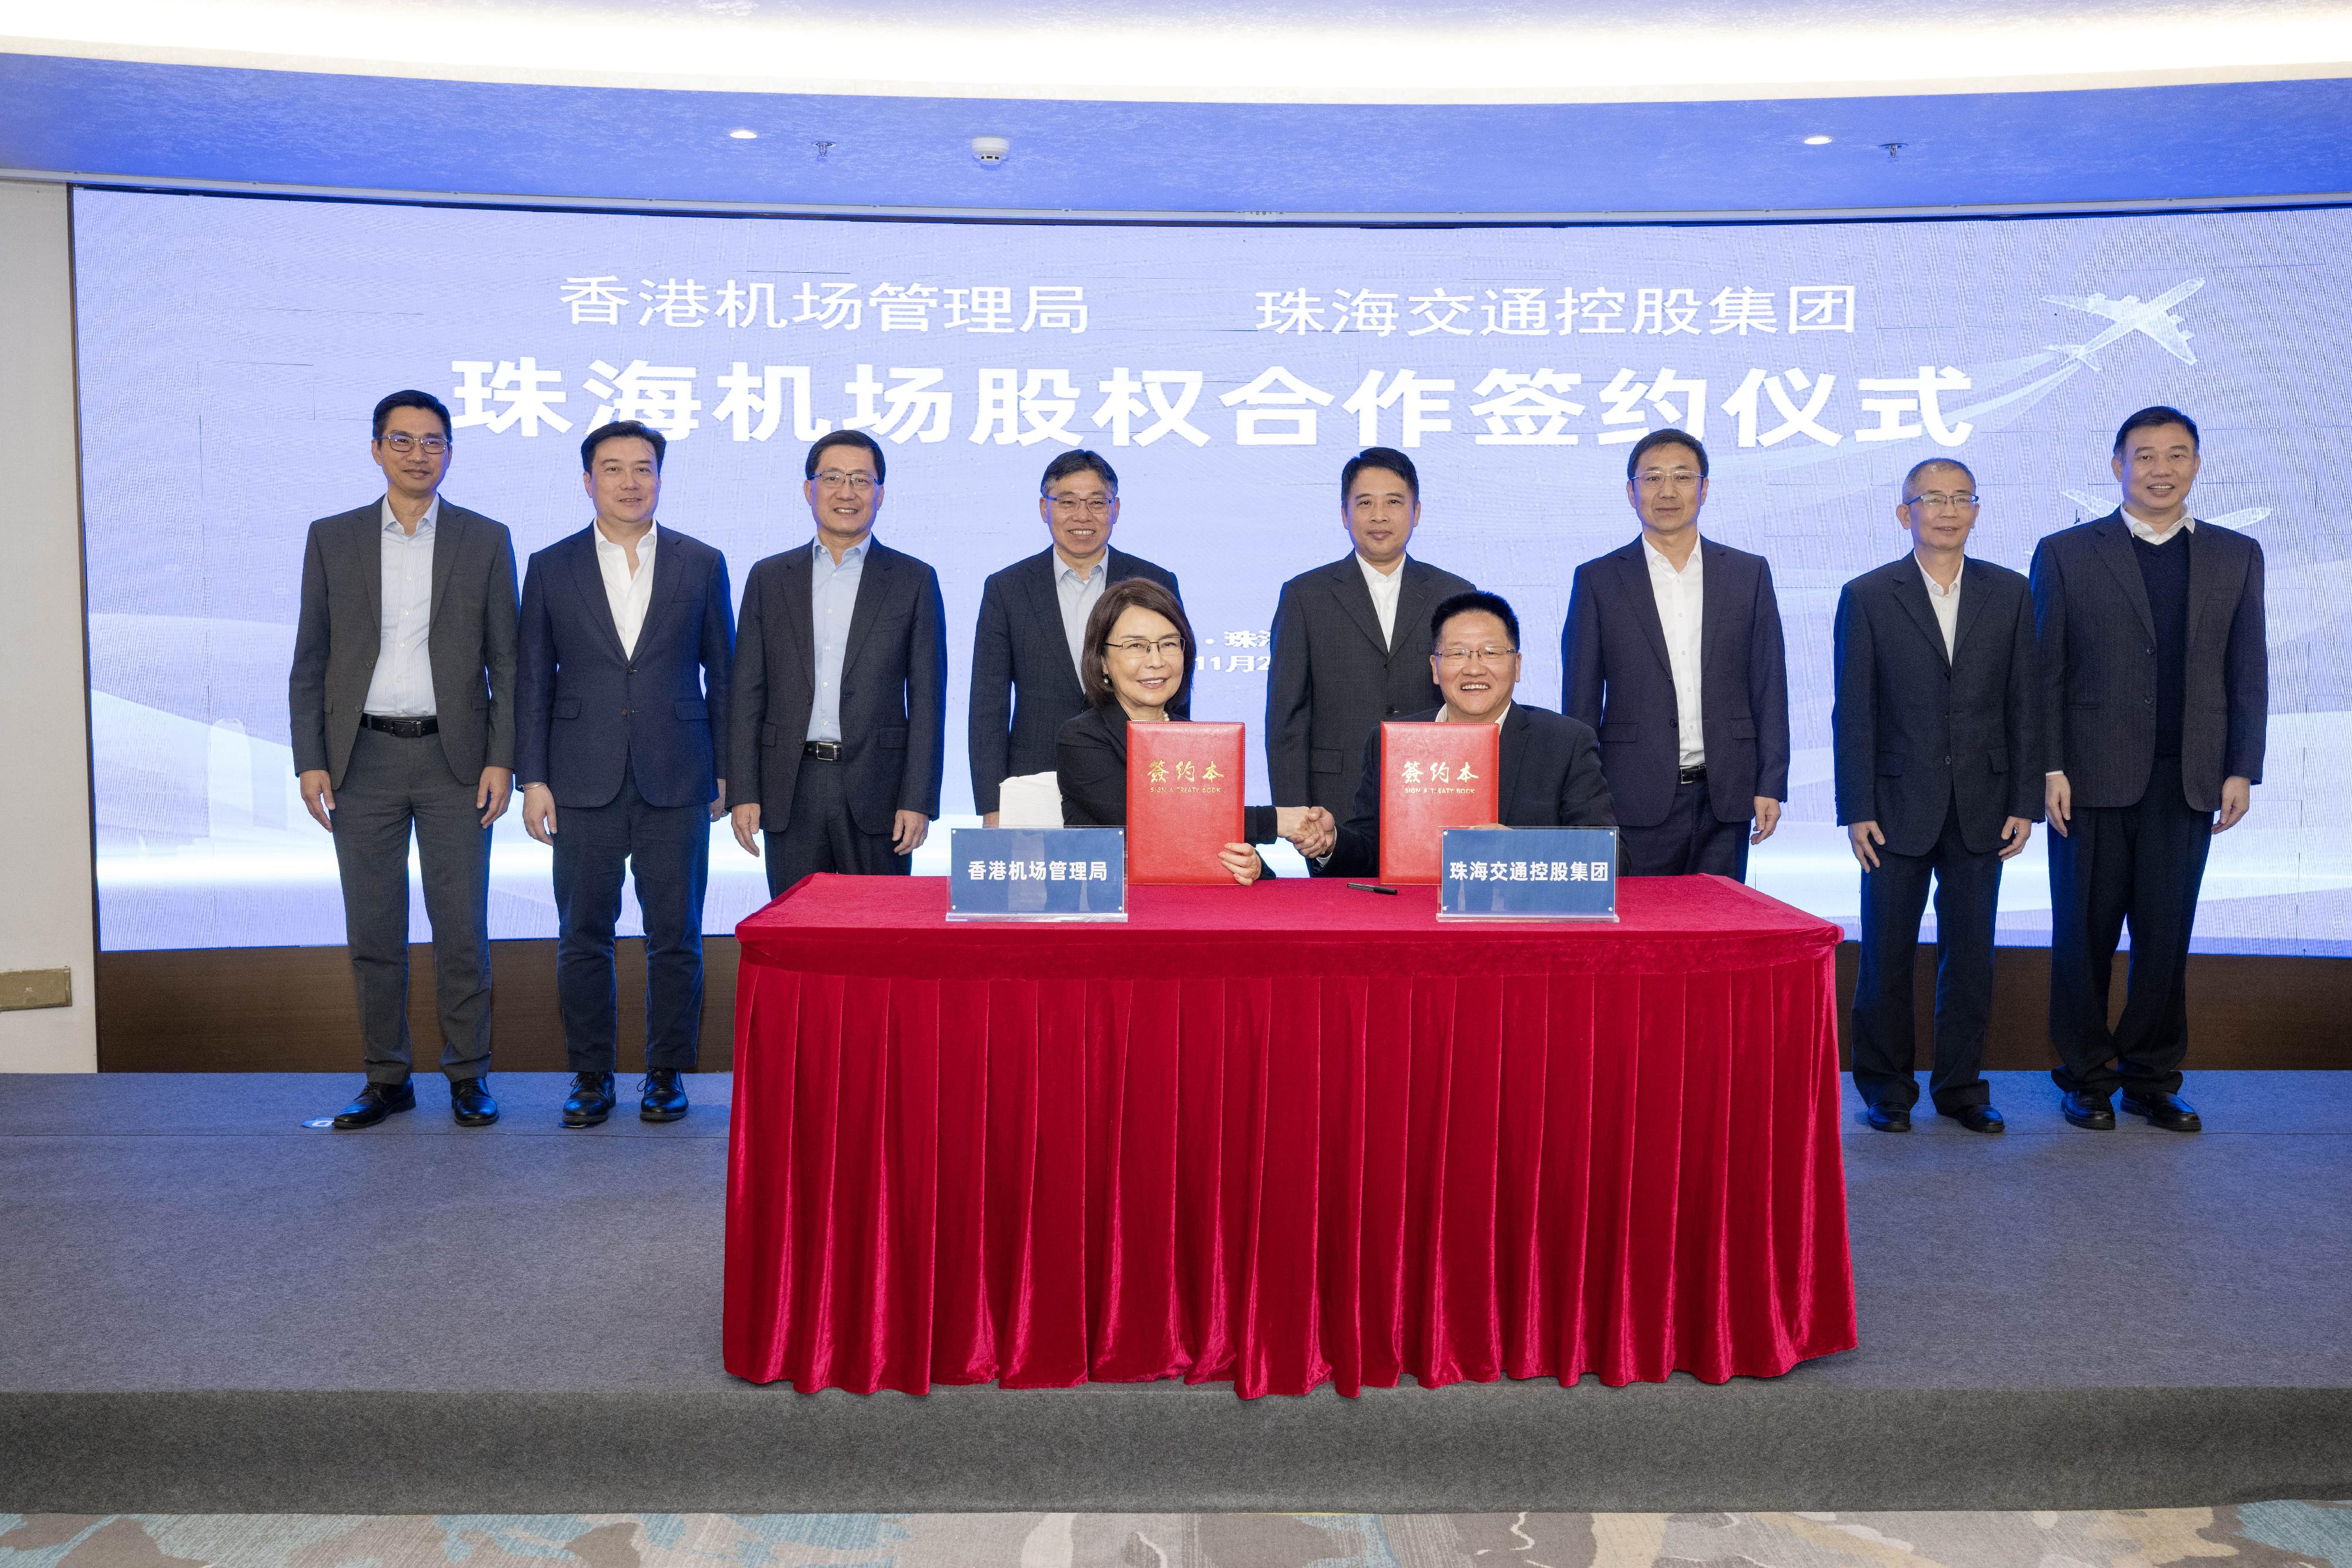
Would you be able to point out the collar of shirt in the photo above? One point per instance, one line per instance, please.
(645, 545)
(424, 524)
(2186, 524)
(1065, 572)
(1382, 582)
(824, 557)
(1936, 590)
(1658, 561)
(1445, 713)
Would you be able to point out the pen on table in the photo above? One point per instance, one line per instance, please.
(1373, 887)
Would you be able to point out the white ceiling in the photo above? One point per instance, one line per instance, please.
(1302, 52)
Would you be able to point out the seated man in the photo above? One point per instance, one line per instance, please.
(1551, 764)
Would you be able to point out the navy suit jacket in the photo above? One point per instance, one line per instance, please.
(1023, 686)
(894, 689)
(1614, 676)
(1550, 777)
(1331, 681)
(1913, 730)
(2098, 664)
(586, 712)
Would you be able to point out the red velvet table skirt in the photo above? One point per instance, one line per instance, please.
(1283, 1134)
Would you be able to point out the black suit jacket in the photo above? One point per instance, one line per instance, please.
(1331, 681)
(1550, 777)
(2098, 664)
(1023, 686)
(471, 643)
(1091, 764)
(1615, 675)
(1913, 730)
(586, 713)
(894, 680)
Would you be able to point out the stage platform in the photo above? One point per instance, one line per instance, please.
(206, 1306)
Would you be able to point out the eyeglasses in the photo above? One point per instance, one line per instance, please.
(1093, 505)
(1136, 648)
(1935, 501)
(1463, 656)
(399, 441)
(856, 479)
(1652, 479)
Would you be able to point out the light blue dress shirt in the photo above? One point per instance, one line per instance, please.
(402, 686)
(833, 597)
(1079, 596)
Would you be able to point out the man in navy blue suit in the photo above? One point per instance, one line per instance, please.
(1937, 776)
(628, 634)
(1672, 653)
(2156, 699)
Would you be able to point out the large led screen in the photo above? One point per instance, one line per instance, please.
(231, 350)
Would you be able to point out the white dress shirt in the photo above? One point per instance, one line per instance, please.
(627, 593)
(832, 600)
(1445, 713)
(402, 686)
(1945, 602)
(1078, 594)
(1682, 609)
(2139, 530)
(1387, 587)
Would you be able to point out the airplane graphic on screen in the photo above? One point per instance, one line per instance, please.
(2092, 507)
(2153, 319)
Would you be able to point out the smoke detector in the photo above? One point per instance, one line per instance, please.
(991, 150)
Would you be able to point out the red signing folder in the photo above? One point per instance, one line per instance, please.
(1432, 777)
(1183, 800)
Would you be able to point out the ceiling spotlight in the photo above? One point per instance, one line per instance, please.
(991, 149)
(1818, 140)
(744, 135)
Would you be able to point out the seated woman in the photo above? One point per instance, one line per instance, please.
(1138, 654)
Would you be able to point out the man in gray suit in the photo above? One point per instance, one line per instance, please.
(838, 726)
(402, 701)
(1024, 651)
(1351, 640)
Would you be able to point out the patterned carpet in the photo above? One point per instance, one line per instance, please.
(2273, 1534)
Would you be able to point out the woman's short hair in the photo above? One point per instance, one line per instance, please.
(1128, 593)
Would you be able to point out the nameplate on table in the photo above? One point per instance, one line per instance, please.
(1038, 873)
(1528, 874)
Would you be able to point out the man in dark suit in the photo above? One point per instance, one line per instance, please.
(1033, 620)
(841, 674)
(1672, 653)
(628, 634)
(1351, 639)
(402, 699)
(1549, 765)
(2156, 686)
(1937, 707)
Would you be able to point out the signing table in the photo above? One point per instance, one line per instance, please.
(1283, 1135)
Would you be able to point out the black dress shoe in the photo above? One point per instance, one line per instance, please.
(2169, 1112)
(1977, 1119)
(2090, 1111)
(376, 1102)
(470, 1102)
(664, 1096)
(590, 1101)
(1890, 1118)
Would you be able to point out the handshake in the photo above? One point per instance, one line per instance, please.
(1310, 830)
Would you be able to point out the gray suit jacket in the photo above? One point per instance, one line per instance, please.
(2097, 639)
(894, 689)
(1023, 686)
(471, 644)
(1332, 682)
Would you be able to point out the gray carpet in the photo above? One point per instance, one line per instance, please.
(206, 1306)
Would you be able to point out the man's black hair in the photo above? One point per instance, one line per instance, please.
(1477, 600)
(2148, 418)
(1387, 457)
(412, 398)
(1669, 437)
(621, 429)
(845, 438)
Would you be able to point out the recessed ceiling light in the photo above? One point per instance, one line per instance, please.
(753, 135)
(1810, 140)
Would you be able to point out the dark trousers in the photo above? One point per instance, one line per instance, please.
(1688, 842)
(1968, 893)
(393, 788)
(820, 835)
(667, 850)
(2142, 863)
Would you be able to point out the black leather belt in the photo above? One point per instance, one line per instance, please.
(823, 750)
(406, 728)
(1692, 775)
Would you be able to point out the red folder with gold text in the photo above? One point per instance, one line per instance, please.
(1183, 800)
(1432, 777)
